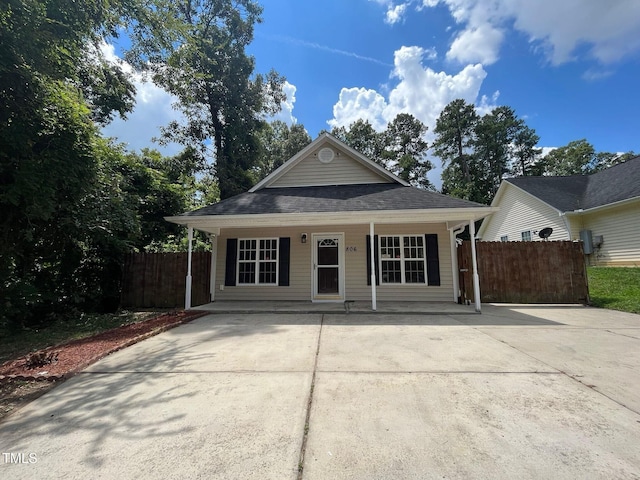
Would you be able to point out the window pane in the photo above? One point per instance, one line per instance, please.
(391, 272)
(414, 271)
(246, 272)
(267, 272)
(327, 255)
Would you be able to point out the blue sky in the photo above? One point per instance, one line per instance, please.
(570, 68)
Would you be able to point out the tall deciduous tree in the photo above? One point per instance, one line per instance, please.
(576, 158)
(54, 84)
(200, 58)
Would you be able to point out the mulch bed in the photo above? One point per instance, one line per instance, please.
(70, 358)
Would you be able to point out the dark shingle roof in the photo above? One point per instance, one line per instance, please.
(617, 183)
(334, 198)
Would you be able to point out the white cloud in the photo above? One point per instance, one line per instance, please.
(480, 44)
(419, 91)
(396, 13)
(286, 112)
(356, 103)
(152, 110)
(608, 31)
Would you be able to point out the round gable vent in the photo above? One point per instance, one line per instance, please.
(326, 155)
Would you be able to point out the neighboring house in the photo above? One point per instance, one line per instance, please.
(602, 210)
(307, 232)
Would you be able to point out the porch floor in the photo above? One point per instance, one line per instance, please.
(421, 308)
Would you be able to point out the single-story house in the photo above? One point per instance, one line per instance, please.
(330, 225)
(602, 210)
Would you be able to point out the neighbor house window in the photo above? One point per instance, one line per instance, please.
(526, 236)
(504, 238)
(257, 261)
(402, 259)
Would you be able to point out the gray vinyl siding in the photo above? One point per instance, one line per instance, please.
(520, 212)
(356, 287)
(342, 170)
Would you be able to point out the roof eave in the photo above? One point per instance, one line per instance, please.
(434, 215)
(619, 203)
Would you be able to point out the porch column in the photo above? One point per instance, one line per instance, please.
(476, 278)
(187, 293)
(374, 303)
(214, 262)
(454, 265)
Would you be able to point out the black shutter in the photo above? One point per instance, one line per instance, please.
(375, 247)
(433, 262)
(230, 266)
(284, 261)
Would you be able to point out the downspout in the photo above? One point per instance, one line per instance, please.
(567, 224)
(453, 232)
(187, 293)
(476, 278)
(374, 303)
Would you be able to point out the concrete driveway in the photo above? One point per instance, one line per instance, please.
(517, 392)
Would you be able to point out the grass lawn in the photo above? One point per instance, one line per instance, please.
(615, 288)
(14, 344)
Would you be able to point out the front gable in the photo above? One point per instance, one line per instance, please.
(519, 211)
(327, 161)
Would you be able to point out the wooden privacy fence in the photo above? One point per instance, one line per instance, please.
(525, 272)
(158, 280)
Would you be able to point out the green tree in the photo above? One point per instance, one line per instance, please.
(405, 150)
(524, 150)
(362, 137)
(455, 136)
(576, 158)
(400, 148)
(579, 157)
(54, 84)
(200, 58)
(279, 143)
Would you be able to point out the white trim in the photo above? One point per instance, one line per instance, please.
(214, 264)
(257, 262)
(603, 207)
(325, 138)
(315, 296)
(374, 295)
(474, 259)
(436, 215)
(454, 264)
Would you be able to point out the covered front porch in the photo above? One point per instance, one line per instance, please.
(359, 307)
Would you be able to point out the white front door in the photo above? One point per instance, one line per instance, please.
(328, 267)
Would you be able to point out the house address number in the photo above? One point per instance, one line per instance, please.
(351, 249)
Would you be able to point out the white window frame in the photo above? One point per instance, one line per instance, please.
(526, 233)
(504, 238)
(403, 259)
(258, 261)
